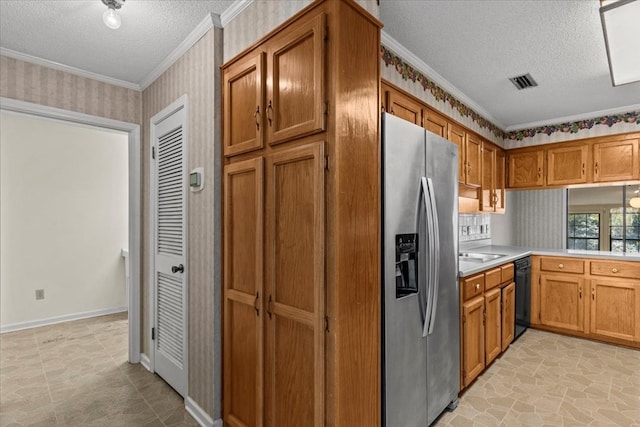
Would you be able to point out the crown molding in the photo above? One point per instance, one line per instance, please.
(577, 117)
(210, 21)
(234, 10)
(422, 66)
(66, 68)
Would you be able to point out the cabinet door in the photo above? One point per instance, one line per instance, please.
(243, 92)
(567, 165)
(526, 169)
(435, 123)
(457, 135)
(562, 302)
(616, 161)
(295, 81)
(473, 339)
(473, 155)
(500, 204)
(492, 330)
(615, 308)
(243, 293)
(405, 107)
(295, 287)
(487, 193)
(508, 314)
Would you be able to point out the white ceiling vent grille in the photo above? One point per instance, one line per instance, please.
(523, 82)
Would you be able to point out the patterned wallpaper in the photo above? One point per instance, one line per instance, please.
(197, 75)
(33, 83)
(538, 218)
(404, 75)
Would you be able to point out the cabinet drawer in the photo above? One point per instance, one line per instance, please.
(565, 265)
(629, 270)
(492, 278)
(472, 286)
(507, 273)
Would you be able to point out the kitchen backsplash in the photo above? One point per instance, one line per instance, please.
(474, 227)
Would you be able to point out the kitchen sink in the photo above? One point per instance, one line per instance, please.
(478, 257)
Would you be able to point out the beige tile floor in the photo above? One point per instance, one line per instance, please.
(77, 374)
(546, 379)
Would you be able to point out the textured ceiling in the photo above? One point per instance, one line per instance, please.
(474, 44)
(72, 33)
(478, 45)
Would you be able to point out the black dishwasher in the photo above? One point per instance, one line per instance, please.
(523, 295)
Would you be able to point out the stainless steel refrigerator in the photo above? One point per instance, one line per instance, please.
(421, 334)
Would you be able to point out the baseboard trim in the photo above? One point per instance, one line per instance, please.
(199, 414)
(60, 319)
(145, 362)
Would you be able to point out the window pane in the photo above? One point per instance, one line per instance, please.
(633, 232)
(593, 244)
(581, 244)
(616, 232)
(616, 245)
(633, 246)
(616, 218)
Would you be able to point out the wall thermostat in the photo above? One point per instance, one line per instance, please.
(196, 180)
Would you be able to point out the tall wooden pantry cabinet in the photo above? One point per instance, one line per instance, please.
(301, 223)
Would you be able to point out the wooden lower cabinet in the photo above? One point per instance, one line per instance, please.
(615, 308)
(493, 325)
(472, 339)
(508, 296)
(600, 299)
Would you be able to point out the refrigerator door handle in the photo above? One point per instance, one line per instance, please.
(430, 258)
(435, 256)
(422, 245)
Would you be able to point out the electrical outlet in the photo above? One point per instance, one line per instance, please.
(39, 294)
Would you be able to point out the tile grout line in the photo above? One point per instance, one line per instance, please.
(46, 377)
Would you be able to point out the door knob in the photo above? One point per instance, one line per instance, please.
(177, 269)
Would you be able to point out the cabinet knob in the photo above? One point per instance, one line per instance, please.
(560, 265)
(614, 270)
(477, 285)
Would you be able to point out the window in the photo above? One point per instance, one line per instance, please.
(625, 230)
(583, 231)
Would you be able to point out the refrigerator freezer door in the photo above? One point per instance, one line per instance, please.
(443, 341)
(405, 350)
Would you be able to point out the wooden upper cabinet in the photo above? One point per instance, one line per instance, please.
(567, 164)
(616, 160)
(296, 103)
(404, 107)
(435, 123)
(473, 157)
(457, 135)
(493, 179)
(526, 168)
(295, 287)
(243, 94)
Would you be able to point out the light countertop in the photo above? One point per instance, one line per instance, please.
(513, 253)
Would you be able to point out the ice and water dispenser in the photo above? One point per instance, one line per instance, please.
(406, 264)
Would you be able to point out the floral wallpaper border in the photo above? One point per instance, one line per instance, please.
(409, 73)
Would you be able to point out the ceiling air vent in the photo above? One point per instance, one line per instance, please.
(523, 82)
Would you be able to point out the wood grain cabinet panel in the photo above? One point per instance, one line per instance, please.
(243, 292)
(493, 325)
(616, 161)
(457, 135)
(508, 314)
(526, 168)
(562, 264)
(492, 192)
(243, 93)
(295, 81)
(472, 286)
(473, 156)
(562, 301)
(473, 339)
(435, 123)
(404, 107)
(617, 269)
(501, 182)
(295, 287)
(567, 164)
(615, 308)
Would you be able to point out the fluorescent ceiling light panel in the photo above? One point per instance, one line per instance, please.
(621, 26)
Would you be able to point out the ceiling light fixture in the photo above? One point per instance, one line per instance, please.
(622, 38)
(110, 17)
(635, 200)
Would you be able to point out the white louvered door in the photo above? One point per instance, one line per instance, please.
(170, 262)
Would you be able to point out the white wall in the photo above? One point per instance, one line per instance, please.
(64, 208)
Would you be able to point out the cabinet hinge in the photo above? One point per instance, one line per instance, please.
(464, 319)
(326, 323)
(153, 333)
(326, 108)
(326, 34)
(464, 374)
(326, 162)
(153, 152)
(539, 316)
